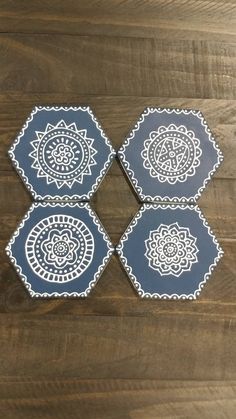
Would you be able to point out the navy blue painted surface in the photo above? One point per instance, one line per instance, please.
(206, 156)
(85, 249)
(202, 253)
(46, 153)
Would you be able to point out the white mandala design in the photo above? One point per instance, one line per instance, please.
(59, 248)
(63, 154)
(171, 153)
(171, 249)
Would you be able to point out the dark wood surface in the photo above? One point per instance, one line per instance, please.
(114, 356)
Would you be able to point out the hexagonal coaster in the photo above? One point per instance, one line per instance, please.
(60, 249)
(169, 251)
(62, 153)
(170, 155)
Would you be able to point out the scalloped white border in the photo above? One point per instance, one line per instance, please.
(134, 280)
(130, 173)
(25, 179)
(97, 274)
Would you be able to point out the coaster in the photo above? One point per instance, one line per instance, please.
(62, 153)
(169, 251)
(60, 249)
(170, 155)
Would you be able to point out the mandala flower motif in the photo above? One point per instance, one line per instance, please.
(63, 154)
(60, 248)
(171, 154)
(171, 249)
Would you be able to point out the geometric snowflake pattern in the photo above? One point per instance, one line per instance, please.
(62, 154)
(171, 249)
(171, 153)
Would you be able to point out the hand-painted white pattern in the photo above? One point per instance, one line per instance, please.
(63, 154)
(171, 154)
(171, 249)
(59, 248)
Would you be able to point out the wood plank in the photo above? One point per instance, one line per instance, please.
(117, 66)
(166, 347)
(28, 398)
(206, 19)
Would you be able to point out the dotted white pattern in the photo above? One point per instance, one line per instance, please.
(171, 153)
(96, 274)
(58, 197)
(132, 176)
(59, 248)
(171, 249)
(63, 154)
(137, 285)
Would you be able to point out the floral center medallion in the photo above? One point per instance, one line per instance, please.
(63, 154)
(171, 154)
(59, 248)
(171, 249)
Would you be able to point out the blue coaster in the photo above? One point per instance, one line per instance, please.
(169, 251)
(170, 155)
(60, 249)
(62, 153)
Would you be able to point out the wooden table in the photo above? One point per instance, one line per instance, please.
(113, 355)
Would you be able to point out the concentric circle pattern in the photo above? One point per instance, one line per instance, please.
(63, 154)
(59, 248)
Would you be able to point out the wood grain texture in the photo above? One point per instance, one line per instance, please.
(144, 399)
(113, 356)
(123, 66)
(48, 346)
(192, 19)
